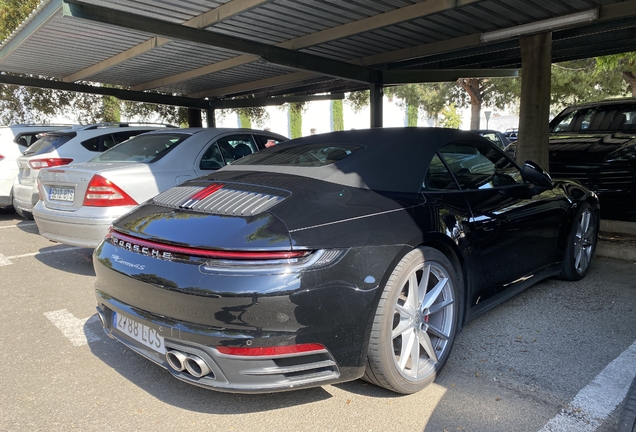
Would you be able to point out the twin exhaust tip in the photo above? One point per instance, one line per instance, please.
(195, 365)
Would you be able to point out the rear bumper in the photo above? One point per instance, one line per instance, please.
(7, 177)
(25, 196)
(227, 373)
(85, 227)
(196, 312)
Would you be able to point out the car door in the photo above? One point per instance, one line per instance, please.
(514, 228)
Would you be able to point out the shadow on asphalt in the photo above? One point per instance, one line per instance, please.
(68, 259)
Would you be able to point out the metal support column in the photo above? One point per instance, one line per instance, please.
(375, 99)
(211, 117)
(194, 118)
(534, 109)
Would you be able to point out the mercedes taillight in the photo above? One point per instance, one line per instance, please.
(102, 192)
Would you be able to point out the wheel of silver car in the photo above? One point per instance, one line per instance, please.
(415, 323)
(581, 244)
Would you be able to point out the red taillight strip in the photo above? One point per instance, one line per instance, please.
(270, 351)
(205, 253)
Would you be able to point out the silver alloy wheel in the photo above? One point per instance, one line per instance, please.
(584, 241)
(423, 321)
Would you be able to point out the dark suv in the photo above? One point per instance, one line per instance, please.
(595, 143)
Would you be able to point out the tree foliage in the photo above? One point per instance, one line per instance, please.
(491, 92)
(337, 115)
(414, 98)
(296, 110)
(581, 81)
(625, 64)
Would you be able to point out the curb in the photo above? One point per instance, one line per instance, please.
(617, 227)
(625, 251)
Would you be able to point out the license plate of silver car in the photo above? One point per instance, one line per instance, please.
(62, 194)
(139, 332)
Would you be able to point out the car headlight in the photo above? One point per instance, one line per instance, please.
(627, 153)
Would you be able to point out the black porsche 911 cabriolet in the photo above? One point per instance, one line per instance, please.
(346, 255)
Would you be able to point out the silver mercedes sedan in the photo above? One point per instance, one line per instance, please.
(79, 202)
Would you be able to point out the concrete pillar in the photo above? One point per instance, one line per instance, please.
(194, 117)
(211, 117)
(375, 102)
(534, 112)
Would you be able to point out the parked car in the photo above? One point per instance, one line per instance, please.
(63, 147)
(595, 143)
(14, 140)
(79, 202)
(512, 134)
(335, 257)
(499, 138)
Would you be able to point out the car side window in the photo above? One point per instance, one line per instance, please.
(267, 141)
(565, 124)
(91, 144)
(234, 147)
(438, 177)
(212, 159)
(480, 165)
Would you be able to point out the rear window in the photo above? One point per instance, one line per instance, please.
(142, 148)
(47, 144)
(312, 155)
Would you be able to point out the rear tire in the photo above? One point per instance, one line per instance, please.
(414, 329)
(581, 244)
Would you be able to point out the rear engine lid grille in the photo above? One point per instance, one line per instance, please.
(233, 199)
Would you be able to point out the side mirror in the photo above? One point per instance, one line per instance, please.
(531, 172)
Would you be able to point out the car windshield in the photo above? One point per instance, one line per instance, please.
(311, 155)
(142, 148)
(47, 144)
(614, 118)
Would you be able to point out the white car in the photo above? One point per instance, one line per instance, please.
(63, 147)
(79, 202)
(13, 141)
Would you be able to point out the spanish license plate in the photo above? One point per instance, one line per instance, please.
(62, 194)
(139, 332)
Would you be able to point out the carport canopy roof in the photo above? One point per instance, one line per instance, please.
(214, 51)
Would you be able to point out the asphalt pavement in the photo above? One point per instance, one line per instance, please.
(557, 357)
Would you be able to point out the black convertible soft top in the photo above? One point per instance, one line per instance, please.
(391, 159)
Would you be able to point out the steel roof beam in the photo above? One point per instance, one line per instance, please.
(135, 96)
(606, 13)
(269, 101)
(407, 13)
(41, 17)
(160, 99)
(273, 54)
(223, 12)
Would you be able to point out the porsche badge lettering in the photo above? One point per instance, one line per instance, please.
(140, 249)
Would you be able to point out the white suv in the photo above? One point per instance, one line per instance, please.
(13, 141)
(62, 147)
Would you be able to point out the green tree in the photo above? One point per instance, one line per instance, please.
(493, 92)
(581, 81)
(450, 117)
(337, 115)
(296, 110)
(625, 64)
(428, 97)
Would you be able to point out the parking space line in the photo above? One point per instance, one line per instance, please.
(591, 406)
(16, 226)
(7, 260)
(72, 327)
